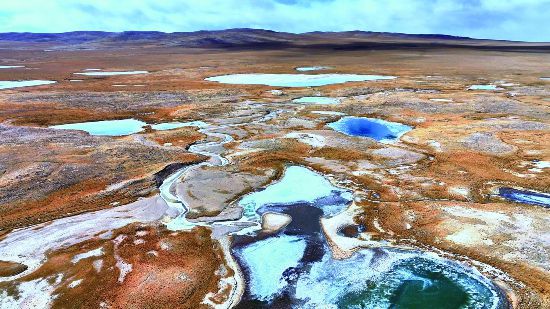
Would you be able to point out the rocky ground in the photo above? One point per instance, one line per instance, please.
(434, 189)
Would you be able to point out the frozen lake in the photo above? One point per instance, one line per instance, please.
(298, 185)
(315, 68)
(9, 84)
(442, 100)
(110, 73)
(295, 80)
(106, 127)
(484, 87)
(124, 126)
(295, 267)
(11, 66)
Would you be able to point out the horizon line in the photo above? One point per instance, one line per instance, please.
(450, 36)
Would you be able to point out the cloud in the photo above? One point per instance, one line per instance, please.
(512, 19)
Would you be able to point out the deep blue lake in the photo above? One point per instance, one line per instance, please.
(525, 197)
(380, 130)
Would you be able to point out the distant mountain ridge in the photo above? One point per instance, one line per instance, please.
(252, 39)
(89, 36)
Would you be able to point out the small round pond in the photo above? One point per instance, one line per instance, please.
(380, 130)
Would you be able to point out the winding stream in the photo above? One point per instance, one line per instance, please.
(167, 190)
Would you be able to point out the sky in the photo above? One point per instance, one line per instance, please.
(521, 20)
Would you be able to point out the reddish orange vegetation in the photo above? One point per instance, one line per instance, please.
(181, 137)
(179, 70)
(168, 270)
(51, 114)
(10, 269)
(330, 153)
(87, 194)
(289, 151)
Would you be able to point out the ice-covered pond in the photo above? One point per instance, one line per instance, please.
(124, 126)
(314, 68)
(9, 84)
(317, 100)
(294, 80)
(110, 73)
(294, 268)
(484, 87)
(380, 130)
(106, 127)
(298, 185)
(11, 66)
(442, 100)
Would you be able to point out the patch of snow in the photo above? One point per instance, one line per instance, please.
(468, 235)
(441, 100)
(141, 233)
(266, 275)
(85, 255)
(123, 267)
(313, 140)
(32, 294)
(75, 283)
(98, 265)
(314, 68)
(165, 245)
(460, 191)
(29, 245)
(435, 145)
